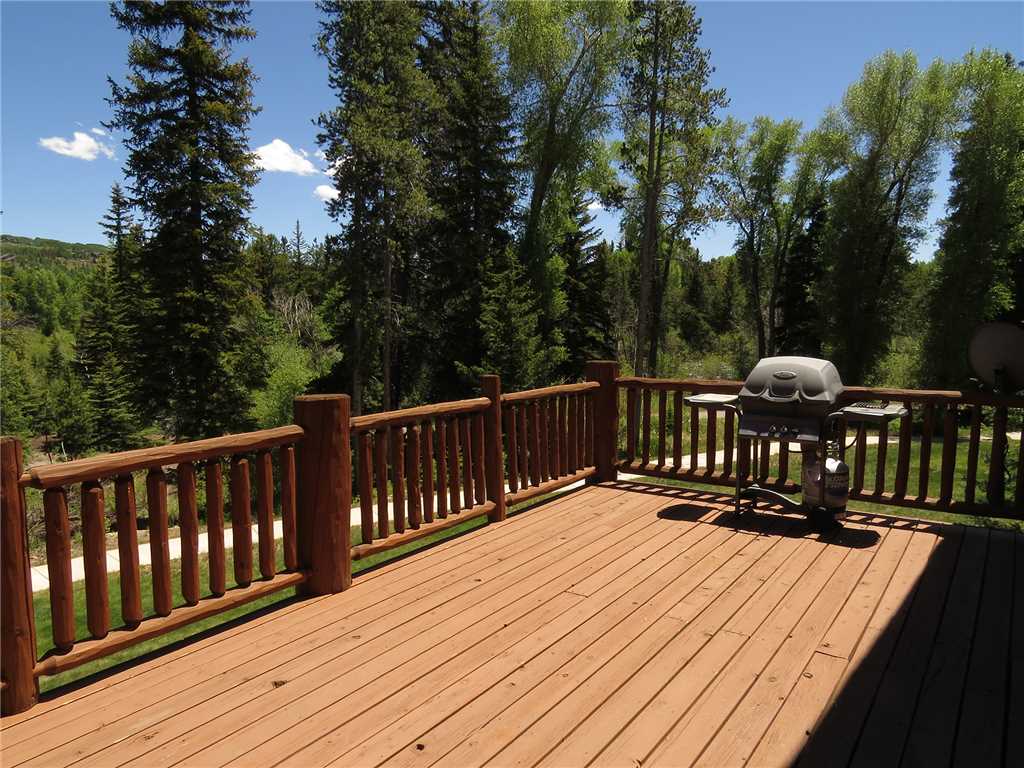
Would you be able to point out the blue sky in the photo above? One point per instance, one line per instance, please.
(778, 59)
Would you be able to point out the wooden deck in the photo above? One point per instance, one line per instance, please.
(621, 624)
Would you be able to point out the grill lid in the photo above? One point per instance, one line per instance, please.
(793, 381)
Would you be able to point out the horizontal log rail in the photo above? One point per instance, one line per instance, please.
(664, 437)
(546, 392)
(113, 464)
(54, 663)
(420, 413)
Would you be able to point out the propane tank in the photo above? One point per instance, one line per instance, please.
(837, 482)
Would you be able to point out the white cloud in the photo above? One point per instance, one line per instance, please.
(278, 155)
(99, 131)
(82, 145)
(320, 155)
(326, 192)
(595, 206)
(304, 152)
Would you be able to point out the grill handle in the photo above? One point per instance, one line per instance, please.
(781, 398)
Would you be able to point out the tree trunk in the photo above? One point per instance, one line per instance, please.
(648, 241)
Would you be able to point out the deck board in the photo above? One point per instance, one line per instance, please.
(622, 624)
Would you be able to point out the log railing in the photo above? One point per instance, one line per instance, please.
(550, 438)
(246, 459)
(893, 465)
(421, 470)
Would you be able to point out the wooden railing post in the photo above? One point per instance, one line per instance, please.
(606, 418)
(17, 620)
(324, 492)
(494, 454)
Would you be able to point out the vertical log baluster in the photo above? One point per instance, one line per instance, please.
(583, 403)
(973, 446)
(412, 475)
(156, 502)
(765, 457)
(524, 445)
(94, 557)
(630, 425)
(677, 429)
(558, 443)
(783, 462)
(545, 442)
(590, 402)
(466, 438)
(860, 458)
(58, 564)
(364, 463)
(442, 468)
(883, 448)
(924, 471)
(662, 426)
(241, 520)
(397, 440)
(996, 486)
(215, 525)
(479, 467)
(949, 437)
(573, 460)
(128, 549)
(694, 437)
(903, 456)
(265, 514)
(534, 414)
(728, 443)
(288, 503)
(188, 524)
(711, 445)
(427, 467)
(645, 434)
(567, 433)
(513, 447)
(380, 466)
(453, 467)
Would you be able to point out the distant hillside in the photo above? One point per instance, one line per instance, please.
(39, 250)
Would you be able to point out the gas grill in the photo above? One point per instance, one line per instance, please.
(789, 398)
(796, 400)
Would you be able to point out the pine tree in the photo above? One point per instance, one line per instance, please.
(99, 361)
(132, 297)
(508, 324)
(67, 419)
(373, 139)
(587, 324)
(471, 185)
(185, 110)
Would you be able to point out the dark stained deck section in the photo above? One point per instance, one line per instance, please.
(621, 624)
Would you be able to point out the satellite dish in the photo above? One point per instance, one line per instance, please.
(996, 354)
